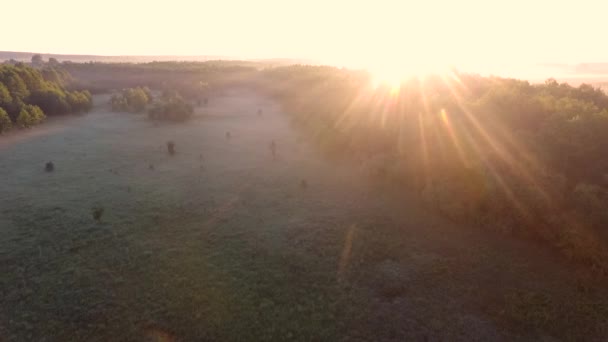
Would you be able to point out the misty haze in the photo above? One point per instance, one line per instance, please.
(303, 171)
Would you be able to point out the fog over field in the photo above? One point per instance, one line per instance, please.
(222, 239)
(278, 170)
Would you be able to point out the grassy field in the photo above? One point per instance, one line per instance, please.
(223, 242)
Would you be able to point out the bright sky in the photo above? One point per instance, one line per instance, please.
(465, 33)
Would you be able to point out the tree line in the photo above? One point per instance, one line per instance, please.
(28, 95)
(503, 153)
(131, 100)
(169, 106)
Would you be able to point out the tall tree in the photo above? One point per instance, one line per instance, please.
(37, 60)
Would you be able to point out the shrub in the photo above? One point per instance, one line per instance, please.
(97, 213)
(79, 101)
(171, 108)
(49, 167)
(171, 147)
(131, 100)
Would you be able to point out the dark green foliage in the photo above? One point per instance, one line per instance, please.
(36, 114)
(79, 101)
(28, 95)
(131, 100)
(56, 75)
(5, 96)
(5, 121)
(171, 107)
(13, 82)
(53, 101)
(29, 116)
(23, 119)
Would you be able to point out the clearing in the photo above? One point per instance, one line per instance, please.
(224, 242)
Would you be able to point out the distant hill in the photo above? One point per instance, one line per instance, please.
(27, 56)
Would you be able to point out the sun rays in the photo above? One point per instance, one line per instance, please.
(433, 126)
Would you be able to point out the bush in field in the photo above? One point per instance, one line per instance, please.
(171, 107)
(5, 121)
(80, 101)
(119, 103)
(131, 100)
(97, 213)
(171, 147)
(137, 99)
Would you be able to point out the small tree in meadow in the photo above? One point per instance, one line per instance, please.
(171, 147)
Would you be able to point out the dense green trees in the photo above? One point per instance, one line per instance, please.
(5, 121)
(131, 100)
(29, 116)
(171, 107)
(27, 95)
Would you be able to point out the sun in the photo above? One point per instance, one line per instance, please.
(393, 73)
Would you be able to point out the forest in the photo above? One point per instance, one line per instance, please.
(28, 94)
